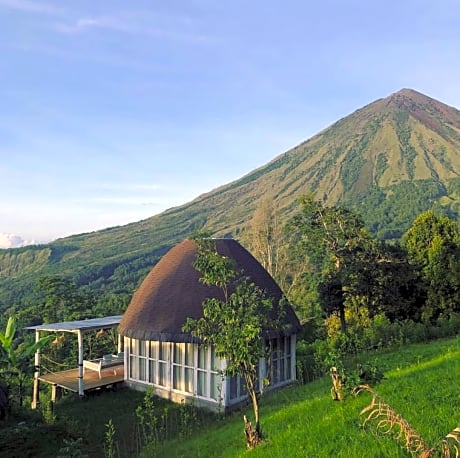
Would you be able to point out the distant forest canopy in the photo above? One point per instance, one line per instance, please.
(388, 162)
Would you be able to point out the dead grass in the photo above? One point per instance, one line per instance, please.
(388, 421)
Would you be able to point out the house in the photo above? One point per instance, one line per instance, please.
(157, 351)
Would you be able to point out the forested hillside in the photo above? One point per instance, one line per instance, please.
(388, 161)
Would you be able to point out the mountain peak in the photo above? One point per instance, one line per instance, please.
(405, 97)
(420, 106)
(408, 92)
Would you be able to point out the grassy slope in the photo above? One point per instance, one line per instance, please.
(421, 383)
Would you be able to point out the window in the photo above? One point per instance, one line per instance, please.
(201, 371)
(208, 380)
(280, 360)
(237, 387)
(183, 367)
(138, 359)
(163, 357)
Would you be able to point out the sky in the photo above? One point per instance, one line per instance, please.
(112, 111)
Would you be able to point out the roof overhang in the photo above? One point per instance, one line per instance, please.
(91, 324)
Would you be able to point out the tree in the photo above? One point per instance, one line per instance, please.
(335, 240)
(273, 246)
(433, 246)
(234, 326)
(266, 237)
(389, 284)
(15, 358)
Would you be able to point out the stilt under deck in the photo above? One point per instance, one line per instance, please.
(68, 380)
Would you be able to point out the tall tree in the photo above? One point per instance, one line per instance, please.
(266, 237)
(272, 245)
(234, 326)
(433, 245)
(335, 239)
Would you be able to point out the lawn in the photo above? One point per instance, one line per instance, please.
(421, 383)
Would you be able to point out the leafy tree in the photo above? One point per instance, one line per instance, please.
(389, 283)
(235, 325)
(335, 239)
(433, 246)
(15, 358)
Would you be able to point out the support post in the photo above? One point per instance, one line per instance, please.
(55, 392)
(36, 392)
(81, 385)
(119, 343)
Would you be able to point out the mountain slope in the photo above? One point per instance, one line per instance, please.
(389, 161)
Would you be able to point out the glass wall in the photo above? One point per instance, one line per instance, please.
(194, 370)
(183, 367)
(277, 368)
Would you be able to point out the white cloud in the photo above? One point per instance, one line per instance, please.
(82, 24)
(27, 6)
(14, 241)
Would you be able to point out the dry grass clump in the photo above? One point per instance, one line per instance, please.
(390, 422)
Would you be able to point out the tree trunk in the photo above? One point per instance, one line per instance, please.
(252, 434)
(343, 323)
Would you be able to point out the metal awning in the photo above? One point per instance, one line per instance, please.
(91, 324)
(79, 327)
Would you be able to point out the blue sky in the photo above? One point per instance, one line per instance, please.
(113, 111)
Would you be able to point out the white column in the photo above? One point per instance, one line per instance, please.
(126, 357)
(81, 384)
(36, 392)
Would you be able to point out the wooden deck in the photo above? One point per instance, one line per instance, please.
(68, 380)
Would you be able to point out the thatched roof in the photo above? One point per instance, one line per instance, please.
(171, 293)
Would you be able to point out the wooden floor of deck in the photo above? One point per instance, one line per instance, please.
(68, 380)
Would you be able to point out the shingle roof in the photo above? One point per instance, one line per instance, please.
(172, 292)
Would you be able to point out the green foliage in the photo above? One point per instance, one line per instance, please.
(72, 449)
(110, 444)
(160, 421)
(147, 418)
(433, 245)
(336, 240)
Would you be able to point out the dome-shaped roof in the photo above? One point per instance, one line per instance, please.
(172, 292)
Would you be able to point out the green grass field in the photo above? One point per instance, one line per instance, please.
(422, 383)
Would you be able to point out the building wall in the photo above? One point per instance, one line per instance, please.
(185, 371)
